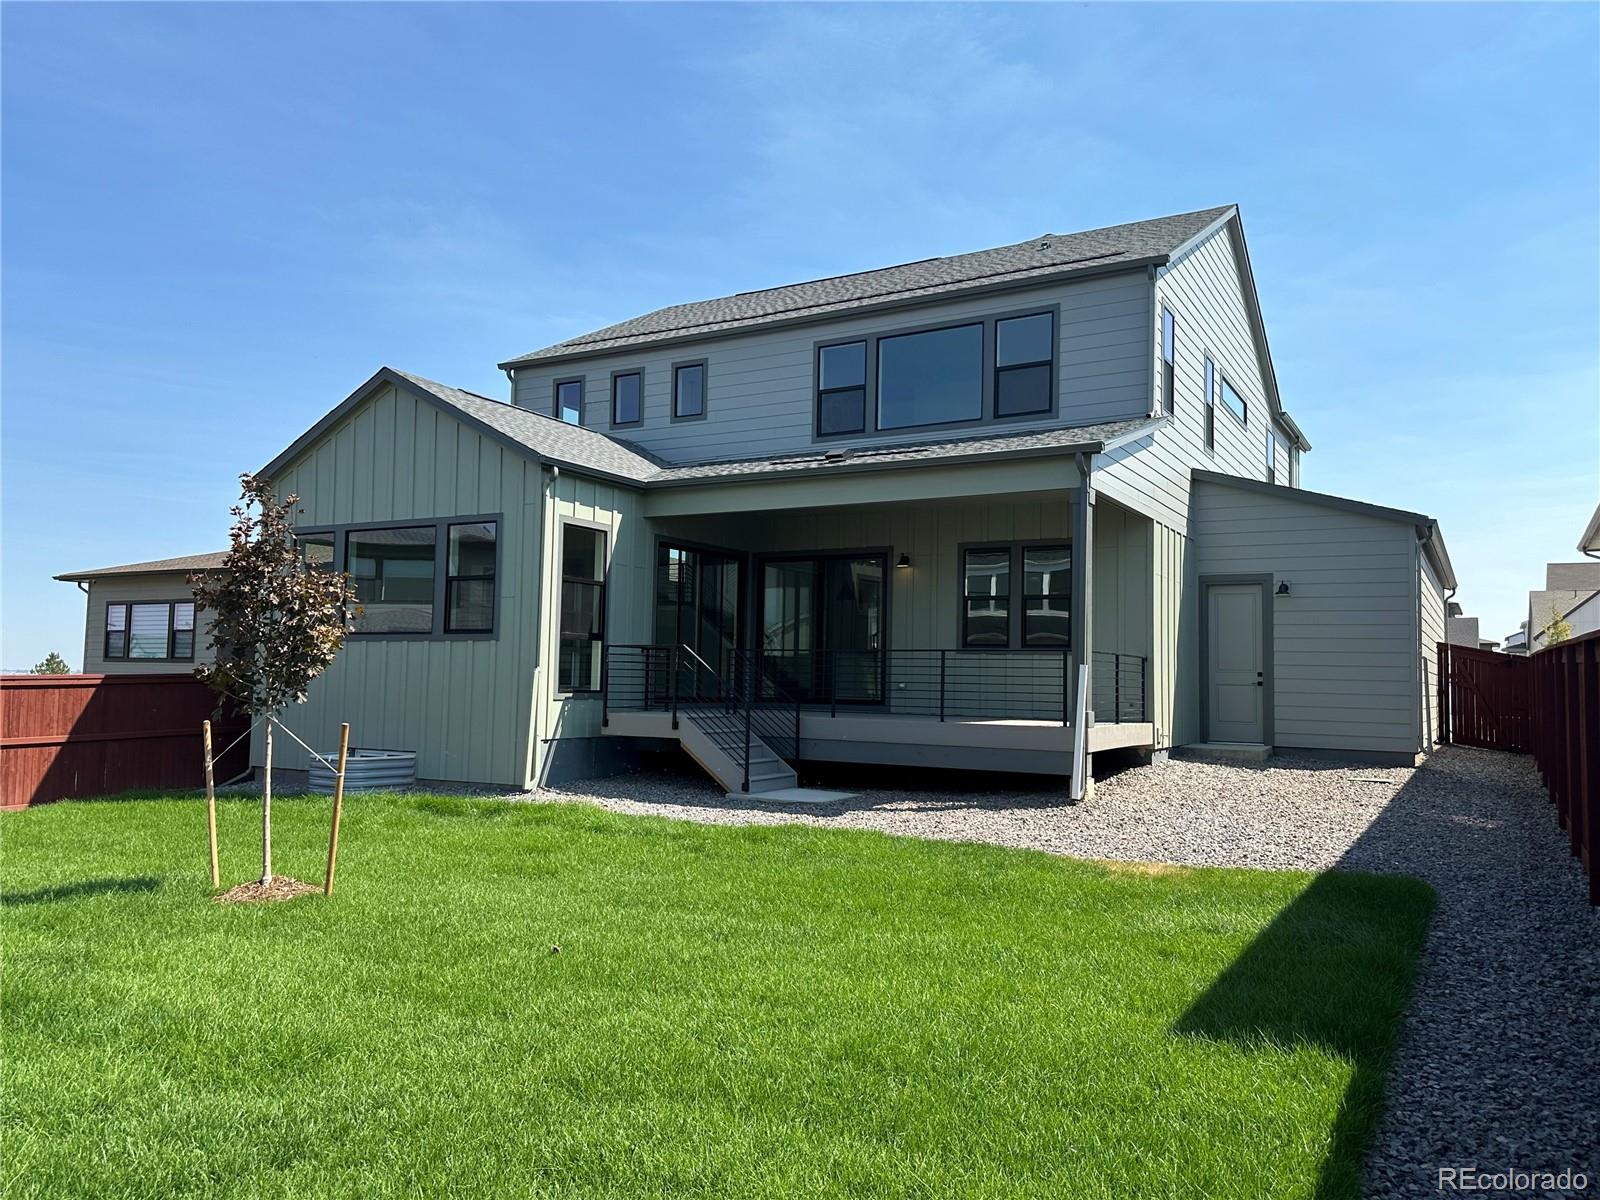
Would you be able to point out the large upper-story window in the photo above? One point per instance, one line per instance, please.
(842, 388)
(569, 401)
(1169, 360)
(627, 398)
(1024, 364)
(995, 368)
(931, 378)
(162, 631)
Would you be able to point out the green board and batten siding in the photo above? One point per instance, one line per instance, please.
(616, 511)
(465, 705)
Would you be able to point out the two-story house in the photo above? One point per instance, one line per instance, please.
(1003, 510)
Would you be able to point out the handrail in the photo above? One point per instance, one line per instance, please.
(946, 684)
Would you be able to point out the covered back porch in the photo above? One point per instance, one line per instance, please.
(932, 617)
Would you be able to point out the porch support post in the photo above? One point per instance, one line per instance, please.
(1082, 615)
(1083, 572)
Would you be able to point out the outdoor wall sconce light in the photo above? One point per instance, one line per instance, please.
(1283, 588)
(905, 561)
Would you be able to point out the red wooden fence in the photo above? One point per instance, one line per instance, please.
(1565, 696)
(94, 735)
(1483, 698)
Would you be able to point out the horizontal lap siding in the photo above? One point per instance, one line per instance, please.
(1205, 293)
(1431, 610)
(1345, 639)
(465, 706)
(137, 589)
(760, 387)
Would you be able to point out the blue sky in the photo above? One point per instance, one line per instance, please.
(218, 219)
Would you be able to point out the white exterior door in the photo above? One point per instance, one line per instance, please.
(1236, 681)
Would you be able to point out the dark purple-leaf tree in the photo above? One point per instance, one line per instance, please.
(277, 621)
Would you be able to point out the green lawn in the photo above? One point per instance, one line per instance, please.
(733, 1012)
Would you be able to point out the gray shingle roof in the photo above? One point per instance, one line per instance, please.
(590, 450)
(156, 566)
(1046, 256)
(593, 452)
(950, 449)
(553, 440)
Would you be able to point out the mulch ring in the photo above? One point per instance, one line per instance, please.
(255, 892)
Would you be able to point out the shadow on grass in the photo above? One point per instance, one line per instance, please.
(77, 891)
(1333, 972)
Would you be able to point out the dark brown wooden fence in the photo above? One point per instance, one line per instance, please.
(95, 735)
(1483, 698)
(1565, 692)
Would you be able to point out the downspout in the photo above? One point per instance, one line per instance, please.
(541, 598)
(1153, 402)
(511, 377)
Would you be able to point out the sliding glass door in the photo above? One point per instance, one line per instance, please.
(697, 602)
(822, 623)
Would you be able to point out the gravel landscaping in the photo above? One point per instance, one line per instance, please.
(1501, 1046)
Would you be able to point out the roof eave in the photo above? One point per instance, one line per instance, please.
(836, 314)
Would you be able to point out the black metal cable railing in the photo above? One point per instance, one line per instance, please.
(944, 685)
(1118, 687)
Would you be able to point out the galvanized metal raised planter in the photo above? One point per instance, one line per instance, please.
(365, 770)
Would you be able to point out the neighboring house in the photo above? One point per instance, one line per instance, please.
(141, 617)
(1589, 543)
(1463, 631)
(1517, 643)
(891, 517)
(1569, 591)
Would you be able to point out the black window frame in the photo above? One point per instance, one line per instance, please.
(1016, 594)
(441, 546)
(555, 397)
(493, 577)
(1224, 387)
(1208, 380)
(985, 356)
(1169, 360)
(1049, 363)
(127, 607)
(868, 361)
(624, 373)
(603, 583)
(705, 379)
(871, 427)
